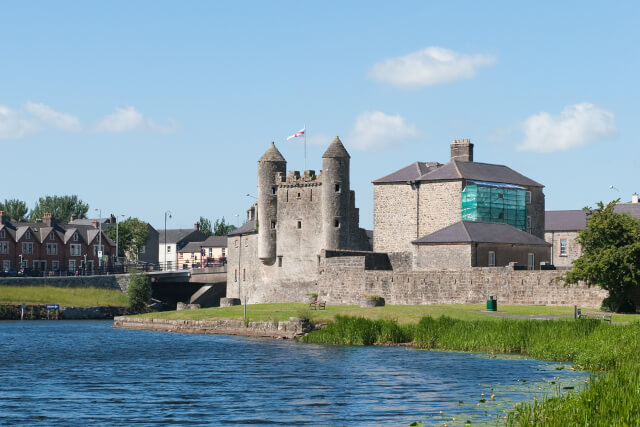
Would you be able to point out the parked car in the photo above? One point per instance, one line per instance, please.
(9, 272)
(29, 272)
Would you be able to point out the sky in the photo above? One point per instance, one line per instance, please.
(145, 107)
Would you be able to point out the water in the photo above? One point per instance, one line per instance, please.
(85, 372)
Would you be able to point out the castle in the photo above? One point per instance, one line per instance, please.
(443, 233)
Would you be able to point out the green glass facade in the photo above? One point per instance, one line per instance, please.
(495, 203)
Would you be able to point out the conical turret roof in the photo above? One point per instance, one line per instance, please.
(336, 149)
(272, 155)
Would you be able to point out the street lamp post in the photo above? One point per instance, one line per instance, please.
(99, 238)
(117, 236)
(167, 213)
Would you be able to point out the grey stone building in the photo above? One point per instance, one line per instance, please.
(562, 228)
(296, 219)
(416, 204)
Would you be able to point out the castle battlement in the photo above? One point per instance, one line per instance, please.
(294, 179)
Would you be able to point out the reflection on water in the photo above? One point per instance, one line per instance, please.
(80, 372)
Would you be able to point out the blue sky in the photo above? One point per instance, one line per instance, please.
(147, 106)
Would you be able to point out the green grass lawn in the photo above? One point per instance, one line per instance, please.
(403, 314)
(78, 297)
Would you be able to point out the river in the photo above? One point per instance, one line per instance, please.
(85, 372)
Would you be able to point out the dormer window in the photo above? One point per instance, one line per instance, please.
(75, 236)
(27, 235)
(52, 236)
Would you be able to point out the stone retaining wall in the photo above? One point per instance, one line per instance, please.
(115, 281)
(39, 312)
(284, 329)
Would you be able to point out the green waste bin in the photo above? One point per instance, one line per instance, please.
(492, 304)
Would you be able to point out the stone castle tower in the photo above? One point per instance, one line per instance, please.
(308, 212)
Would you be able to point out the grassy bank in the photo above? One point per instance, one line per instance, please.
(403, 314)
(611, 399)
(77, 297)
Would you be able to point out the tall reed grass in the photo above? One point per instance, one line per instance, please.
(612, 352)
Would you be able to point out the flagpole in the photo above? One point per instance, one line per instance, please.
(305, 147)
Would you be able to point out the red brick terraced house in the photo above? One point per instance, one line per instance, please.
(53, 248)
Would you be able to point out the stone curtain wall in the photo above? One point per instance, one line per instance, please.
(117, 281)
(394, 217)
(470, 286)
(429, 257)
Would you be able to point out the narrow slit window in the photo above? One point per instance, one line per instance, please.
(273, 190)
(273, 225)
(336, 223)
(280, 261)
(299, 224)
(337, 187)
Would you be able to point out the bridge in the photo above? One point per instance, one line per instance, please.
(204, 286)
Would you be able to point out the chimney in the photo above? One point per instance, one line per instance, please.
(196, 226)
(4, 218)
(47, 219)
(94, 222)
(74, 217)
(462, 149)
(634, 198)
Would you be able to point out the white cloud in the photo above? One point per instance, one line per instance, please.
(14, 126)
(319, 139)
(53, 118)
(576, 126)
(129, 119)
(429, 66)
(375, 130)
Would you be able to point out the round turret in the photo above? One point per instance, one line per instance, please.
(335, 195)
(269, 165)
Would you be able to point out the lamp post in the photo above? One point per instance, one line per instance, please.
(117, 235)
(99, 238)
(166, 214)
(249, 195)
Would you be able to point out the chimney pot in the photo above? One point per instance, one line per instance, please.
(196, 226)
(634, 198)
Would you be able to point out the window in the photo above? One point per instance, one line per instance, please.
(492, 259)
(75, 236)
(143, 249)
(280, 261)
(210, 251)
(235, 242)
(169, 249)
(299, 194)
(500, 195)
(337, 188)
(55, 265)
(52, 236)
(27, 235)
(6, 264)
(27, 247)
(273, 225)
(336, 223)
(52, 249)
(528, 197)
(4, 247)
(244, 274)
(98, 248)
(235, 274)
(299, 224)
(528, 224)
(273, 190)
(563, 247)
(3, 233)
(224, 251)
(311, 194)
(72, 264)
(531, 261)
(75, 249)
(24, 263)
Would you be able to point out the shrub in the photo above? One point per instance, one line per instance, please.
(139, 292)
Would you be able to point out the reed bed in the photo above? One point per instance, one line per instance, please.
(612, 352)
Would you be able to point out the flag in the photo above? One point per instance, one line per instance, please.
(297, 134)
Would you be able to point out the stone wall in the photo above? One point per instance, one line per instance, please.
(394, 217)
(40, 312)
(468, 286)
(440, 205)
(116, 281)
(429, 257)
(284, 329)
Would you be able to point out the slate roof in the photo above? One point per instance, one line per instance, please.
(40, 232)
(457, 169)
(248, 227)
(176, 235)
(409, 173)
(480, 232)
(210, 242)
(574, 220)
(272, 155)
(336, 149)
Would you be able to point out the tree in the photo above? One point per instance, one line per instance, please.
(139, 292)
(16, 209)
(60, 207)
(132, 234)
(205, 226)
(610, 256)
(221, 228)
